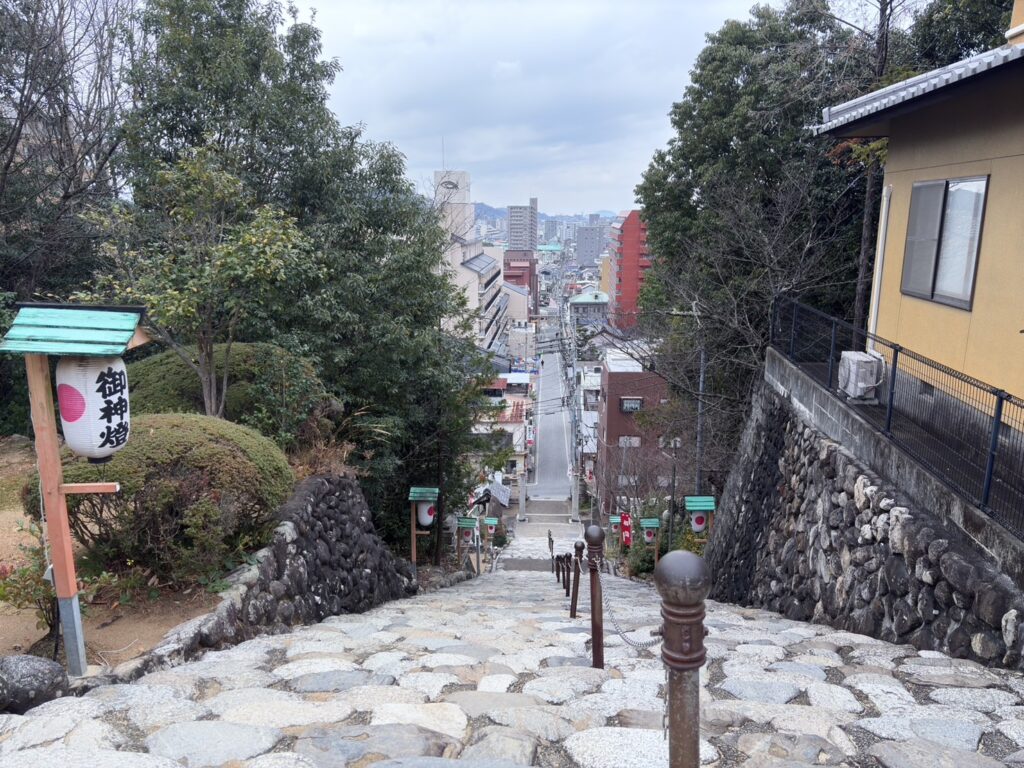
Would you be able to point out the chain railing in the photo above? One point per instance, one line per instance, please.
(638, 644)
(968, 433)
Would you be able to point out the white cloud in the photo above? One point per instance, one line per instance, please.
(564, 100)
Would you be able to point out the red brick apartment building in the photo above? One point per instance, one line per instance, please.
(629, 459)
(521, 270)
(629, 261)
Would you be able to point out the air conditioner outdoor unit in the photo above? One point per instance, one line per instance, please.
(859, 374)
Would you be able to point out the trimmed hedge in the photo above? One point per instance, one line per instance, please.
(269, 388)
(197, 493)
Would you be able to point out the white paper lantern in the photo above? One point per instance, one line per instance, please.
(92, 393)
(467, 535)
(490, 530)
(425, 512)
(649, 535)
(615, 527)
(698, 521)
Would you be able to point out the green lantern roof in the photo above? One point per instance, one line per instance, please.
(417, 493)
(71, 329)
(490, 521)
(700, 503)
(650, 522)
(467, 522)
(615, 519)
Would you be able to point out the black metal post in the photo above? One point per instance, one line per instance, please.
(683, 581)
(831, 354)
(993, 448)
(566, 572)
(595, 547)
(577, 568)
(894, 366)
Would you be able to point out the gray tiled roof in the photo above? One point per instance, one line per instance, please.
(481, 263)
(908, 90)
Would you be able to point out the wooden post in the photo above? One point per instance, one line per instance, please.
(412, 534)
(58, 531)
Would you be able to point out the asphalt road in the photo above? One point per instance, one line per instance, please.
(551, 478)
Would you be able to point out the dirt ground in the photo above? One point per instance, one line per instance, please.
(113, 632)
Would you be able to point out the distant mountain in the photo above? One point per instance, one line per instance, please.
(484, 211)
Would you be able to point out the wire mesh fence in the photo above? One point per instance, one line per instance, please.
(968, 433)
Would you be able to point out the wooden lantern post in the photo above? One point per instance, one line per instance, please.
(418, 494)
(40, 330)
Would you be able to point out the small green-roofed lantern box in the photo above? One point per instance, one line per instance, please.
(417, 493)
(72, 329)
(699, 503)
(92, 391)
(615, 522)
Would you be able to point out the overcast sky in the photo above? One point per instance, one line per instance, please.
(563, 100)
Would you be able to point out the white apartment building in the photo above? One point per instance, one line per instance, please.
(522, 226)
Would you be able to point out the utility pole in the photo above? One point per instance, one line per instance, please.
(672, 498)
(700, 413)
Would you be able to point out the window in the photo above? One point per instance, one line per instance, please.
(629, 441)
(631, 404)
(943, 235)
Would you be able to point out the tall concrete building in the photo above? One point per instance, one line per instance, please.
(522, 226)
(451, 192)
(551, 230)
(629, 261)
(477, 268)
(594, 219)
(589, 244)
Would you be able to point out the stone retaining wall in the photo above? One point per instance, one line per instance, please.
(325, 559)
(804, 528)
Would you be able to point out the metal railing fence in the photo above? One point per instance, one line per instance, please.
(966, 432)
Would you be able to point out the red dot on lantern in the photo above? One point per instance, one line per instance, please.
(699, 519)
(71, 401)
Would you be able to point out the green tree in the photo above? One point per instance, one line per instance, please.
(744, 205)
(384, 321)
(947, 31)
(204, 263)
(232, 75)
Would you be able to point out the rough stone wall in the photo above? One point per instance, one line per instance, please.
(805, 529)
(325, 559)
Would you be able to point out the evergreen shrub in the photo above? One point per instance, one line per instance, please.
(270, 389)
(197, 494)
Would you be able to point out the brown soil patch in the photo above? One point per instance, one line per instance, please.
(113, 632)
(17, 460)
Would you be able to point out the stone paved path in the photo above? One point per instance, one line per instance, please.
(493, 673)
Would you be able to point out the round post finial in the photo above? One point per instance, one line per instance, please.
(682, 578)
(594, 535)
(579, 546)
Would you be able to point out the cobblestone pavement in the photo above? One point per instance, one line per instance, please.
(493, 673)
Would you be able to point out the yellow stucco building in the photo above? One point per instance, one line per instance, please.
(949, 269)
